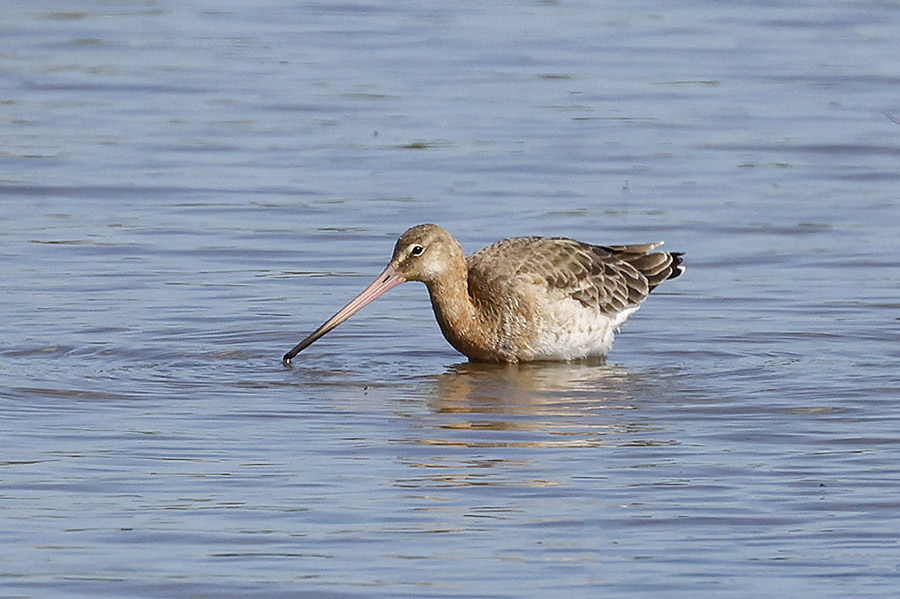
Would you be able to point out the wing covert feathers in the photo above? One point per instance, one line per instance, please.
(606, 278)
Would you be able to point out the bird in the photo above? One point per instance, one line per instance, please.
(521, 299)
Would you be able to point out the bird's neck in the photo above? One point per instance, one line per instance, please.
(457, 314)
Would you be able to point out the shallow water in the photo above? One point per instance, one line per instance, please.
(186, 191)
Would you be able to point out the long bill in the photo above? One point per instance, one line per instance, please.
(386, 281)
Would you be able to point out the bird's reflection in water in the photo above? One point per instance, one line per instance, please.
(579, 404)
(525, 427)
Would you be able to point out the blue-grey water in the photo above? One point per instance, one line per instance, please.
(188, 188)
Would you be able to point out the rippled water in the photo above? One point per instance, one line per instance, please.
(186, 189)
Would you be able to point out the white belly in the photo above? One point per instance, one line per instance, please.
(569, 331)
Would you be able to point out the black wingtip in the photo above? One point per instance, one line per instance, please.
(678, 266)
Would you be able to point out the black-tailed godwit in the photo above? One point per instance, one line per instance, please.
(520, 299)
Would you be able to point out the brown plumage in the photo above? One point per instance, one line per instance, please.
(521, 299)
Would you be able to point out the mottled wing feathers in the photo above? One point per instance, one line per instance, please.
(655, 266)
(609, 279)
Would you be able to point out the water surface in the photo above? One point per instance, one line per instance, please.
(187, 189)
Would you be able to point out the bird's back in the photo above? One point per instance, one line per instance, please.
(605, 278)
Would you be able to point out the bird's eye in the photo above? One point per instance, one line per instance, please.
(416, 250)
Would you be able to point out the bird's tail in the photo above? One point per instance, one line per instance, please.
(655, 266)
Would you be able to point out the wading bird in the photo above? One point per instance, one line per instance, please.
(520, 299)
